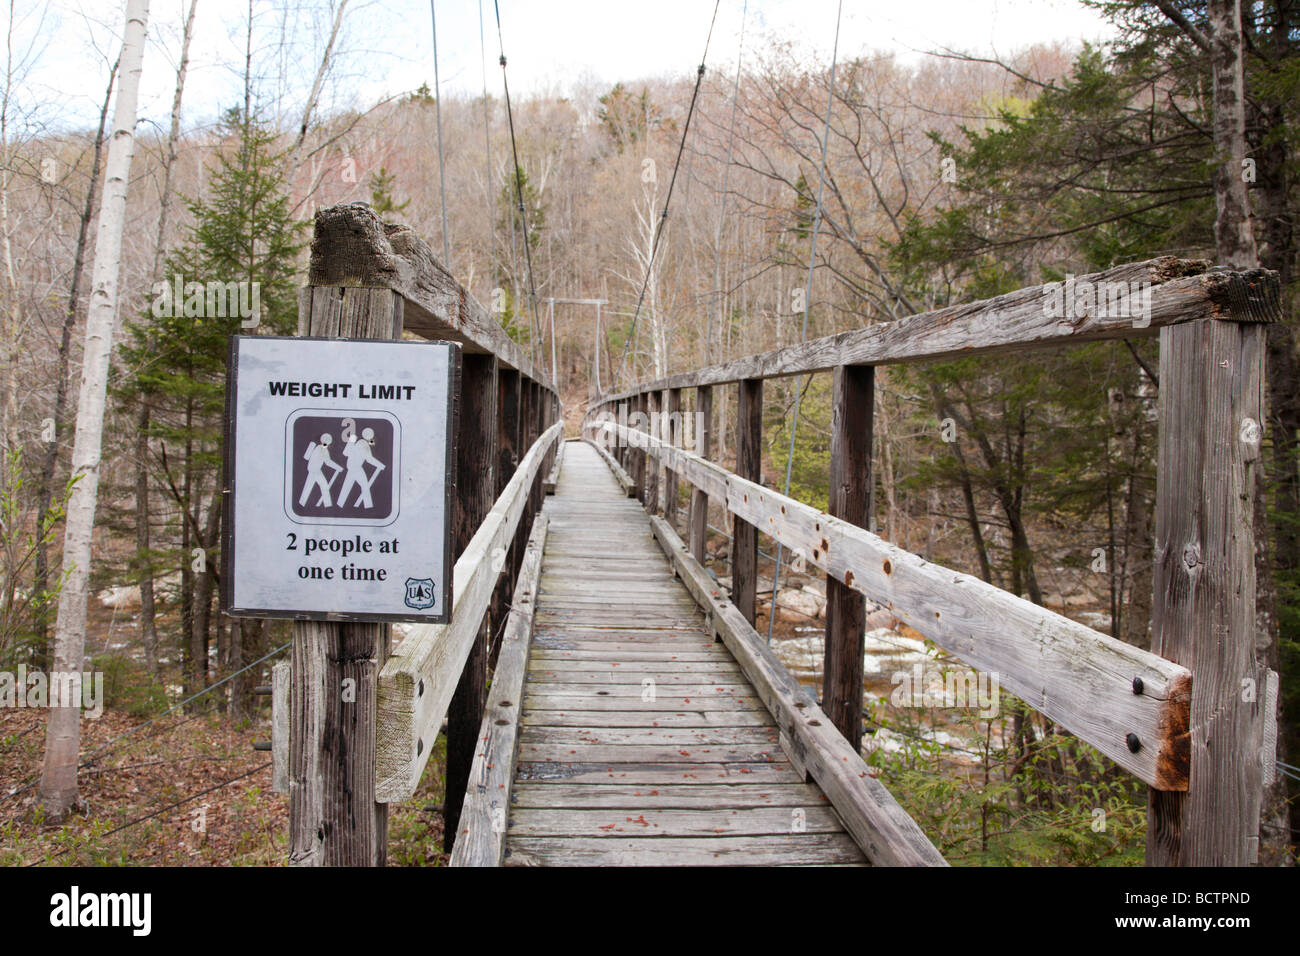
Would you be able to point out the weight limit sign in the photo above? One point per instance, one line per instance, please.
(338, 458)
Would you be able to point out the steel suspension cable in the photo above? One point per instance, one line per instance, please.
(722, 204)
(807, 298)
(519, 191)
(659, 227)
(487, 141)
(442, 165)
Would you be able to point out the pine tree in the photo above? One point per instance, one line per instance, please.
(382, 199)
(235, 273)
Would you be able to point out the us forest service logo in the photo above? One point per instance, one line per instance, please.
(342, 468)
(419, 593)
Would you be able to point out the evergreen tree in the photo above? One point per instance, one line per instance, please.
(382, 198)
(235, 274)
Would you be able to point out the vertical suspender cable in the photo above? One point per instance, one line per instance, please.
(519, 190)
(659, 227)
(487, 143)
(716, 305)
(442, 166)
(807, 298)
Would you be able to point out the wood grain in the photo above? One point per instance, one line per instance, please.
(335, 818)
(351, 246)
(852, 419)
(1211, 385)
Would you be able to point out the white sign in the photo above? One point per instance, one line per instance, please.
(338, 460)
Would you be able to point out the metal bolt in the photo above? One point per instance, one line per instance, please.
(1134, 745)
(1137, 685)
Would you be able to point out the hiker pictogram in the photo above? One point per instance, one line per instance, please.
(359, 452)
(341, 468)
(318, 459)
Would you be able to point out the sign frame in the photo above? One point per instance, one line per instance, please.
(228, 454)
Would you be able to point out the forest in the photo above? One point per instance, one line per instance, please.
(626, 230)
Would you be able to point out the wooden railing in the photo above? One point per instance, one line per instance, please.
(350, 755)
(1179, 717)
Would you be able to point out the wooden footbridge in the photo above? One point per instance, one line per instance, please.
(634, 716)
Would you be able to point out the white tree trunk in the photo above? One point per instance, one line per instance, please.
(63, 731)
(1234, 232)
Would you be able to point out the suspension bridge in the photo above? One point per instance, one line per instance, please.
(608, 702)
(634, 715)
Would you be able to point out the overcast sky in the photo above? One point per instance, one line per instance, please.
(551, 44)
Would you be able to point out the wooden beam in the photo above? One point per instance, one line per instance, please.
(1211, 415)
(351, 246)
(553, 475)
(653, 410)
(416, 684)
(704, 448)
(1080, 678)
(884, 831)
(280, 675)
(508, 385)
(637, 450)
(850, 497)
(672, 434)
(334, 816)
(482, 837)
(749, 464)
(1179, 290)
(476, 453)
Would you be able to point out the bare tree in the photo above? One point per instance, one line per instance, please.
(58, 789)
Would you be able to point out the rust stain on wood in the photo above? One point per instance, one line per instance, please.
(1174, 753)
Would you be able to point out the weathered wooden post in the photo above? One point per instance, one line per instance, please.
(476, 460)
(638, 470)
(1211, 432)
(672, 433)
(703, 447)
(507, 460)
(749, 464)
(334, 819)
(652, 463)
(850, 499)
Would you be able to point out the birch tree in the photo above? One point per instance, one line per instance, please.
(58, 790)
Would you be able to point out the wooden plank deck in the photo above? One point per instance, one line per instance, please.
(641, 741)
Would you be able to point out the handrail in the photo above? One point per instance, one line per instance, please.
(482, 837)
(1164, 291)
(416, 684)
(1106, 692)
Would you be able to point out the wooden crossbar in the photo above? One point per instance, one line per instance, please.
(482, 837)
(1155, 294)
